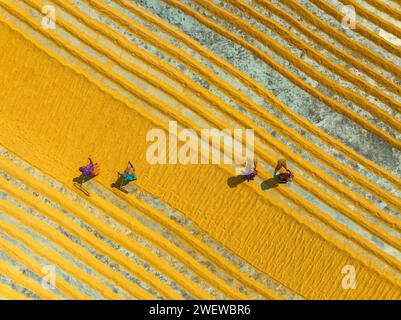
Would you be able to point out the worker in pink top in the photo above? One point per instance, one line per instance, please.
(89, 171)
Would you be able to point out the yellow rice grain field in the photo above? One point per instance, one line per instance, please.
(110, 72)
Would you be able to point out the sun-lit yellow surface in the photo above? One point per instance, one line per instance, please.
(53, 116)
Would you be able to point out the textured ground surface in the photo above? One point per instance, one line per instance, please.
(324, 97)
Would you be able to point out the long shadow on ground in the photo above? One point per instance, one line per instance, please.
(269, 184)
(233, 182)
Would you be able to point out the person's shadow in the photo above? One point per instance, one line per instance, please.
(272, 182)
(233, 182)
(269, 184)
(120, 182)
(82, 179)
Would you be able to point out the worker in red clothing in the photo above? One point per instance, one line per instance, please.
(282, 174)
